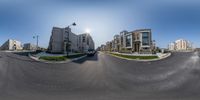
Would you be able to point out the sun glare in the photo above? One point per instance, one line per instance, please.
(87, 30)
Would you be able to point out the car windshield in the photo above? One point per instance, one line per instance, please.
(91, 50)
(99, 49)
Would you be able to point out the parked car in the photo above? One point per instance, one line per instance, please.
(91, 52)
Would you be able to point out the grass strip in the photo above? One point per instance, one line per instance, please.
(61, 58)
(135, 57)
(75, 56)
(53, 58)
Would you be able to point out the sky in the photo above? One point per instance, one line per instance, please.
(169, 19)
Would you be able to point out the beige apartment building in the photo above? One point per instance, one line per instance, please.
(180, 45)
(139, 41)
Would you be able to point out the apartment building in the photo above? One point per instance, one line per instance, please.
(137, 41)
(116, 43)
(108, 46)
(77, 43)
(11, 45)
(122, 40)
(29, 46)
(85, 42)
(180, 45)
(103, 47)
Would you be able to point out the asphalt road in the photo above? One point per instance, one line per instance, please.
(101, 77)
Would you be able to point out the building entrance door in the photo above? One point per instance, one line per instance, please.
(14, 47)
(137, 47)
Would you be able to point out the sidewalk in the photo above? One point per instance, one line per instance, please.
(160, 56)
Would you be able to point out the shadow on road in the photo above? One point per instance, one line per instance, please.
(22, 53)
(88, 58)
(20, 56)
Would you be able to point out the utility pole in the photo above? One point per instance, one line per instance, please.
(37, 36)
(67, 45)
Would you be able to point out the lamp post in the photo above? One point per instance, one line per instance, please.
(67, 43)
(37, 36)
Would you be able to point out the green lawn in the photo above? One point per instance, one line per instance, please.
(135, 57)
(75, 55)
(61, 58)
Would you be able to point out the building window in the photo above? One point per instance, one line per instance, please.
(83, 38)
(87, 41)
(79, 39)
(128, 41)
(145, 38)
(121, 40)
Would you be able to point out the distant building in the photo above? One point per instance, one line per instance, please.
(77, 43)
(11, 45)
(122, 40)
(85, 42)
(116, 43)
(108, 46)
(180, 45)
(29, 46)
(103, 48)
(171, 46)
(112, 45)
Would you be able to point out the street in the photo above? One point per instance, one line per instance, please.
(101, 77)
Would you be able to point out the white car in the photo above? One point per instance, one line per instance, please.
(90, 52)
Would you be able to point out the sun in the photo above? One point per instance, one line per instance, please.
(87, 30)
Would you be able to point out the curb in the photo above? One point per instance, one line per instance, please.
(56, 62)
(141, 60)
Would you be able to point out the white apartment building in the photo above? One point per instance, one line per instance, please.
(85, 42)
(77, 43)
(180, 45)
(11, 45)
(171, 46)
(29, 46)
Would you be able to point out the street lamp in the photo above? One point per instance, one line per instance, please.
(67, 45)
(37, 36)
